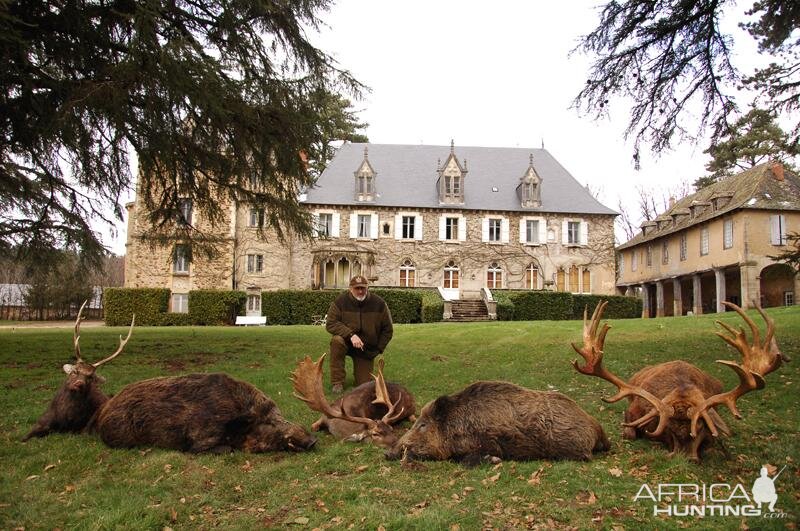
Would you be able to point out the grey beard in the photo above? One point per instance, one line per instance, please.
(360, 299)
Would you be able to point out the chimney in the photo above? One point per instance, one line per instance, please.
(777, 171)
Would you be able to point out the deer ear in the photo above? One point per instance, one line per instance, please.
(99, 379)
(68, 368)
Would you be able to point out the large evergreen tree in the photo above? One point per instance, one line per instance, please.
(752, 139)
(672, 59)
(217, 99)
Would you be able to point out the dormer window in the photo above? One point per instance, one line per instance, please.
(529, 189)
(365, 180)
(451, 179)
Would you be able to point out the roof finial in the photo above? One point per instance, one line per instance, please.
(452, 146)
(531, 159)
(366, 153)
(542, 142)
(438, 164)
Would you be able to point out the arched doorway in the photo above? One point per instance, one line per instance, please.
(777, 285)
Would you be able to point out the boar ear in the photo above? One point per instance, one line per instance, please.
(68, 368)
(441, 407)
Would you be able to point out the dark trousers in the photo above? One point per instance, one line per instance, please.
(362, 366)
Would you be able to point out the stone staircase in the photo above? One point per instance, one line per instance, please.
(469, 310)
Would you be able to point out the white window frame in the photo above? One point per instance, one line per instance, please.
(541, 232)
(256, 218)
(777, 224)
(529, 275)
(648, 254)
(449, 277)
(408, 267)
(356, 225)
(461, 228)
(727, 234)
(582, 232)
(492, 272)
(186, 208)
(335, 223)
(254, 303)
(634, 260)
(704, 243)
(788, 298)
(181, 261)
(500, 231)
(684, 246)
(255, 263)
(622, 262)
(179, 303)
(401, 224)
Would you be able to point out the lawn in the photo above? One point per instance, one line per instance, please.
(74, 481)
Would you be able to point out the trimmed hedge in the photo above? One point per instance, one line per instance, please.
(149, 305)
(432, 306)
(555, 306)
(298, 306)
(215, 307)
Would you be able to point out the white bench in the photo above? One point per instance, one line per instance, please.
(251, 320)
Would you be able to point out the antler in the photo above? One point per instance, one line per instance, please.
(122, 344)
(382, 397)
(307, 383)
(76, 337)
(592, 353)
(758, 360)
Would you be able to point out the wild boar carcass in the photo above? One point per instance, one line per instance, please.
(501, 420)
(675, 402)
(79, 397)
(367, 412)
(197, 413)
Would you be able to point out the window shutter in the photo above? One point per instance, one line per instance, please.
(373, 226)
(504, 230)
(398, 226)
(335, 224)
(314, 221)
(462, 229)
(354, 226)
(775, 230)
(522, 230)
(564, 232)
(485, 230)
(418, 228)
(442, 221)
(584, 233)
(542, 231)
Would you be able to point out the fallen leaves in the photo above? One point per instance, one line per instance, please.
(615, 471)
(586, 497)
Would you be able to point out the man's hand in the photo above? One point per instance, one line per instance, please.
(357, 342)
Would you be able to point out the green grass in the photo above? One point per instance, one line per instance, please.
(75, 482)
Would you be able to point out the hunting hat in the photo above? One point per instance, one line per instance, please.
(358, 282)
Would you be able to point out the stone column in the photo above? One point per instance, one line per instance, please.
(677, 294)
(645, 302)
(697, 307)
(660, 298)
(750, 285)
(719, 277)
(629, 291)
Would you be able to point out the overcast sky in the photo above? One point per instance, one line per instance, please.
(491, 74)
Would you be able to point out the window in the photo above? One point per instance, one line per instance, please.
(254, 303)
(408, 274)
(649, 255)
(683, 247)
(727, 234)
(185, 215)
(256, 217)
(365, 186)
(587, 282)
(634, 260)
(494, 276)
(704, 241)
(324, 225)
(788, 298)
(180, 303)
(532, 231)
(665, 252)
(255, 263)
(387, 229)
(363, 225)
(777, 229)
(532, 277)
(573, 279)
(622, 262)
(451, 275)
(573, 232)
(451, 229)
(452, 185)
(494, 229)
(408, 227)
(180, 263)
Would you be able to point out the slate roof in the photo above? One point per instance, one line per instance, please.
(407, 177)
(756, 188)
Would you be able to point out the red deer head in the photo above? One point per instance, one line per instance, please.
(675, 402)
(307, 381)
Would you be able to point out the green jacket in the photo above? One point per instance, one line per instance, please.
(370, 319)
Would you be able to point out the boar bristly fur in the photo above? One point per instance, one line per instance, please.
(197, 413)
(502, 420)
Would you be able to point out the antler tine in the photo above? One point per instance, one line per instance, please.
(76, 338)
(762, 358)
(307, 383)
(382, 396)
(748, 381)
(122, 344)
(750, 323)
(592, 352)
